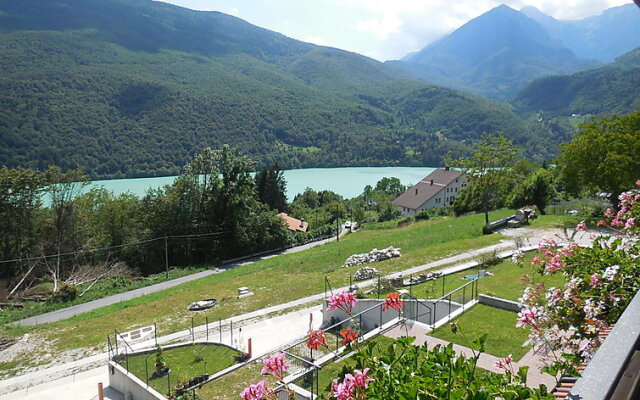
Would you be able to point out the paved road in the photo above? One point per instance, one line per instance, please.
(72, 311)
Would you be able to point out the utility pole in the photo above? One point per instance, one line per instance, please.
(166, 257)
(337, 222)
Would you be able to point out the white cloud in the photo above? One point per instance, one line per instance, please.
(233, 11)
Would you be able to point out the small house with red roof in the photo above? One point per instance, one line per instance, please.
(293, 224)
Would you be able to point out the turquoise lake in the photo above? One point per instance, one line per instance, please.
(348, 182)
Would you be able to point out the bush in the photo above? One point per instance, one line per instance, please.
(65, 293)
(422, 215)
(406, 221)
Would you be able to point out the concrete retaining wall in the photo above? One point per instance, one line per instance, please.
(498, 302)
(128, 384)
(424, 311)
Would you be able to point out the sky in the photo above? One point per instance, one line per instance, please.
(381, 29)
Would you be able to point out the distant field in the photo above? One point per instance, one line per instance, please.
(274, 281)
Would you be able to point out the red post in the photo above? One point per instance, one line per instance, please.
(100, 391)
(249, 348)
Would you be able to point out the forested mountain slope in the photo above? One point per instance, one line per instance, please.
(613, 88)
(135, 88)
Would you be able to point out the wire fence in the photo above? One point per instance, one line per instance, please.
(140, 358)
(585, 206)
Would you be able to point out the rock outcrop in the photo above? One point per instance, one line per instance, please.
(372, 256)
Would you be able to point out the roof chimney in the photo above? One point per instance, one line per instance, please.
(416, 191)
(432, 182)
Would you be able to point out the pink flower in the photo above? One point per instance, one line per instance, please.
(316, 339)
(352, 385)
(255, 392)
(602, 223)
(581, 226)
(553, 265)
(344, 301)
(638, 182)
(393, 301)
(630, 223)
(528, 316)
(535, 260)
(594, 280)
(360, 378)
(504, 363)
(617, 222)
(275, 365)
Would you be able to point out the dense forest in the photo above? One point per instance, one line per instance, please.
(136, 88)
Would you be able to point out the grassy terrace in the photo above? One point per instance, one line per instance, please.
(184, 362)
(275, 280)
(503, 337)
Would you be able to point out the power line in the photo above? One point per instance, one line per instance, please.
(113, 247)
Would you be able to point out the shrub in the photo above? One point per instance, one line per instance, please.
(422, 215)
(65, 293)
(406, 221)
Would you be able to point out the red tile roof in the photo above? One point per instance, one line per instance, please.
(294, 224)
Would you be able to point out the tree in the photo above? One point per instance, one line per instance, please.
(272, 187)
(391, 186)
(603, 156)
(489, 169)
(537, 189)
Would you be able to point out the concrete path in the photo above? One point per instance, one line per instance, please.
(117, 298)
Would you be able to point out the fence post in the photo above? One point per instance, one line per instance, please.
(193, 333)
(155, 332)
(169, 383)
(464, 292)
(380, 322)
(449, 307)
(206, 323)
(115, 336)
(378, 286)
(126, 357)
(443, 278)
(146, 371)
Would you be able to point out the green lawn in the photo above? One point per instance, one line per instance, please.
(508, 281)
(184, 362)
(503, 337)
(274, 280)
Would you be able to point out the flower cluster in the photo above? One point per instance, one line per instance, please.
(625, 218)
(600, 281)
(352, 387)
(256, 392)
(316, 339)
(393, 301)
(275, 366)
(505, 363)
(343, 301)
(348, 336)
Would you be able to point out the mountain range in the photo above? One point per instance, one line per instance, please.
(128, 88)
(498, 53)
(136, 88)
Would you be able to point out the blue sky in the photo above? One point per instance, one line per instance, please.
(382, 29)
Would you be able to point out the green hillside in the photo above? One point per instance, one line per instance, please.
(613, 88)
(135, 88)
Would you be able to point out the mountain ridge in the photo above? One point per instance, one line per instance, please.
(120, 100)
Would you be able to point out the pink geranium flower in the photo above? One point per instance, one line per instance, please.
(343, 301)
(630, 223)
(528, 316)
(504, 363)
(275, 365)
(582, 226)
(255, 392)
